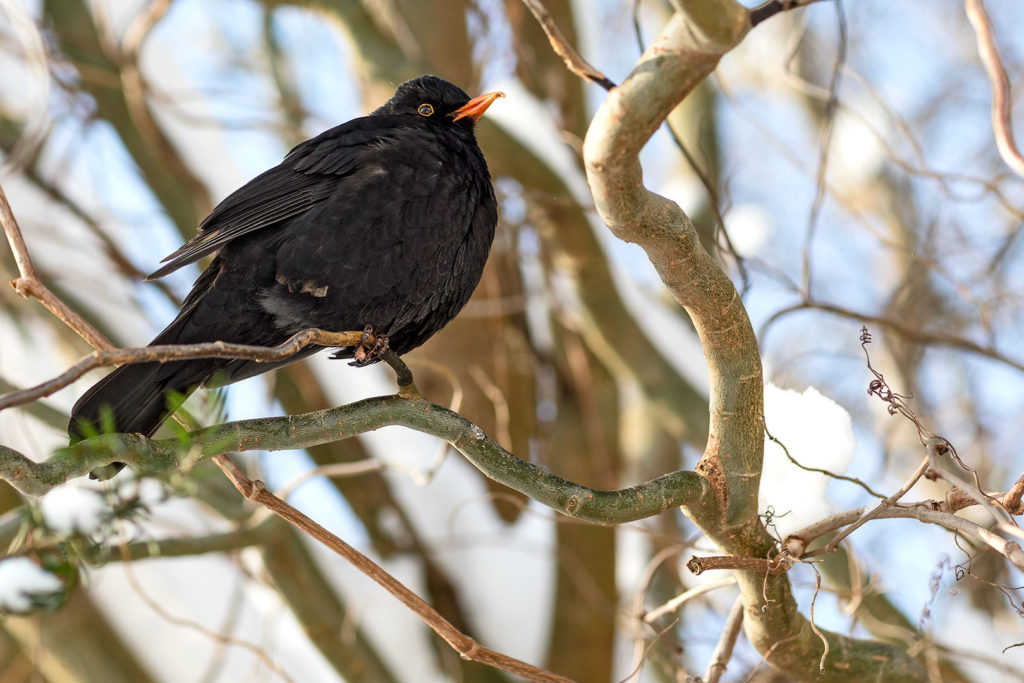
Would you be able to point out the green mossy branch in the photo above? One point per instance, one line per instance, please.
(311, 429)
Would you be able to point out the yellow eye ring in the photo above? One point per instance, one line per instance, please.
(425, 110)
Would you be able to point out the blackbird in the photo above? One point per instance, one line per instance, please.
(382, 222)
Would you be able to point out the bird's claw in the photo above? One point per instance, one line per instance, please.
(370, 348)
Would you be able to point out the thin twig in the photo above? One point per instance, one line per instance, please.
(646, 650)
(640, 647)
(930, 512)
(761, 565)
(684, 597)
(171, 352)
(797, 542)
(773, 7)
(819, 470)
(878, 509)
(499, 401)
(111, 248)
(915, 334)
(468, 648)
(1002, 114)
(939, 449)
(29, 284)
(986, 659)
(726, 642)
(15, 239)
(151, 602)
(333, 471)
(1011, 500)
(563, 49)
(814, 627)
(943, 463)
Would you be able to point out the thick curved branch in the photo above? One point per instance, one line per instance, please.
(301, 431)
(685, 53)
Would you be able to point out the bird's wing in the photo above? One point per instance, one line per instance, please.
(306, 177)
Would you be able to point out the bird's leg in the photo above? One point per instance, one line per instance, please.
(367, 352)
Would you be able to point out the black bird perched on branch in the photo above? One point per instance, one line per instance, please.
(383, 222)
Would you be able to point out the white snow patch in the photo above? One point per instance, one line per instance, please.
(71, 507)
(818, 432)
(20, 579)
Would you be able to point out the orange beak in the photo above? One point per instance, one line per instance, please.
(476, 107)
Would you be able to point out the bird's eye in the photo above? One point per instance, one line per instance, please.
(425, 110)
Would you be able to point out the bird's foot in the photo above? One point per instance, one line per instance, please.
(370, 348)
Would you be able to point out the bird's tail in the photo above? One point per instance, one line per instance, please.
(136, 399)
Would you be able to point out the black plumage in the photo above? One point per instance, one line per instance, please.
(384, 221)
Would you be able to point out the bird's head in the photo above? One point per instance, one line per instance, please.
(436, 99)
